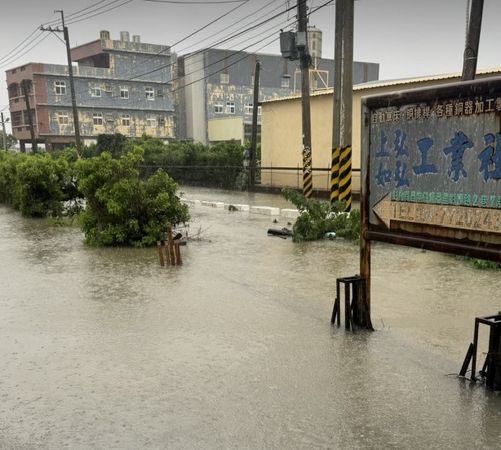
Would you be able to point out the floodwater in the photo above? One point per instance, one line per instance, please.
(104, 349)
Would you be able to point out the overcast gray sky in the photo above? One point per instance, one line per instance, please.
(406, 37)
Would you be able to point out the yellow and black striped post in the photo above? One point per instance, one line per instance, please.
(307, 173)
(335, 176)
(345, 177)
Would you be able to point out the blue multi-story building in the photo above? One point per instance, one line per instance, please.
(218, 85)
(121, 86)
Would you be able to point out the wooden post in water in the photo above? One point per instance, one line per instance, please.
(170, 240)
(160, 253)
(179, 261)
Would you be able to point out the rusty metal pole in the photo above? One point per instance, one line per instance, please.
(472, 40)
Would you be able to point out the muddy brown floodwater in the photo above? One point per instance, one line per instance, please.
(104, 349)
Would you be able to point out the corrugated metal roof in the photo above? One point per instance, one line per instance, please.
(387, 83)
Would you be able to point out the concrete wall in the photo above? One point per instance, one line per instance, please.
(226, 129)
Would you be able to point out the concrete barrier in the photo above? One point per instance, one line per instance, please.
(265, 210)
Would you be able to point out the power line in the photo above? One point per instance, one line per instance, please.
(218, 43)
(195, 2)
(99, 13)
(18, 45)
(235, 23)
(9, 62)
(242, 3)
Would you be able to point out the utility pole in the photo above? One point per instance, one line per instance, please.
(472, 40)
(343, 102)
(4, 121)
(76, 122)
(254, 125)
(305, 61)
(24, 87)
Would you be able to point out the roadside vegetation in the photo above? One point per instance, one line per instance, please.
(319, 219)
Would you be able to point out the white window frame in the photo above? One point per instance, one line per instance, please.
(224, 78)
(230, 107)
(63, 118)
(95, 92)
(285, 82)
(248, 108)
(98, 119)
(150, 93)
(60, 87)
(124, 93)
(259, 110)
(125, 120)
(218, 108)
(151, 122)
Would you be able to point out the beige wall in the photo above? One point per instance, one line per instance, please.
(281, 142)
(226, 129)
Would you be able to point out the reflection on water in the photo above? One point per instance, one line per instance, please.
(102, 348)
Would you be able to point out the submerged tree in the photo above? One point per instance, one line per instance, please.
(318, 218)
(121, 209)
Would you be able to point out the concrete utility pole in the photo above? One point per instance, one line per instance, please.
(343, 101)
(305, 61)
(255, 108)
(472, 40)
(76, 122)
(4, 121)
(24, 87)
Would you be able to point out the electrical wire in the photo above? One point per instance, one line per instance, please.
(9, 62)
(99, 13)
(219, 43)
(242, 3)
(87, 8)
(196, 2)
(19, 45)
(233, 24)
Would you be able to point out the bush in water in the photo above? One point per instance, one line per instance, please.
(122, 209)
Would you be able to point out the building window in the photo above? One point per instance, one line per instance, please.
(60, 87)
(151, 122)
(95, 92)
(248, 107)
(97, 118)
(230, 107)
(63, 118)
(286, 81)
(224, 78)
(150, 93)
(259, 110)
(124, 92)
(219, 108)
(126, 120)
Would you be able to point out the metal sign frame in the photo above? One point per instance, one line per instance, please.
(483, 100)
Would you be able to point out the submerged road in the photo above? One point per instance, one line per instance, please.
(104, 349)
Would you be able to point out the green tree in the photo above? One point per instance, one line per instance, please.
(121, 209)
(42, 185)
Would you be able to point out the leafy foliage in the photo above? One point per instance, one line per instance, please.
(38, 185)
(121, 208)
(318, 218)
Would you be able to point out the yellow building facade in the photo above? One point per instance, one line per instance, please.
(281, 138)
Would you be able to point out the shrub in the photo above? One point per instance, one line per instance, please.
(318, 218)
(121, 208)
